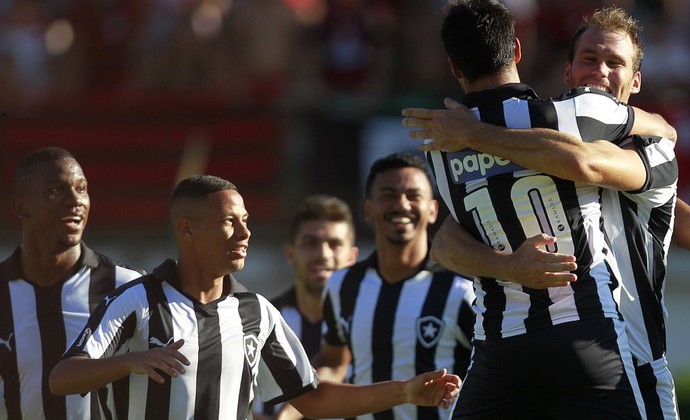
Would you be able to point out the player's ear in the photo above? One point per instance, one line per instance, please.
(17, 203)
(366, 210)
(568, 73)
(289, 250)
(354, 254)
(433, 212)
(454, 69)
(636, 83)
(518, 51)
(183, 227)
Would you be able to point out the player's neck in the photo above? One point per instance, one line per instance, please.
(198, 283)
(506, 76)
(46, 269)
(399, 262)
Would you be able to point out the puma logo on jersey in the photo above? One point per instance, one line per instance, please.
(429, 330)
(7, 343)
(109, 299)
(467, 165)
(251, 349)
(158, 343)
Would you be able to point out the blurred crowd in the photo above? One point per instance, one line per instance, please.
(351, 56)
(294, 48)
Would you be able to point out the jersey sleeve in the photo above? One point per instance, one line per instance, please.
(109, 327)
(659, 159)
(594, 115)
(285, 371)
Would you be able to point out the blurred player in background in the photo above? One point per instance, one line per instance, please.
(322, 237)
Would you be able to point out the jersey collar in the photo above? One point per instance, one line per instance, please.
(11, 268)
(490, 97)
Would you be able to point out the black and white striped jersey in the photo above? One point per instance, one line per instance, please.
(502, 204)
(396, 331)
(639, 226)
(309, 333)
(36, 326)
(239, 348)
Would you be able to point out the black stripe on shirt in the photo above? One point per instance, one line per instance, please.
(53, 343)
(382, 337)
(349, 290)
(101, 283)
(160, 331)
(543, 114)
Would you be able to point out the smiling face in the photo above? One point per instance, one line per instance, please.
(401, 206)
(319, 248)
(53, 202)
(218, 233)
(604, 60)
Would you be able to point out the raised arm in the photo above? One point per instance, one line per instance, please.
(599, 163)
(80, 374)
(457, 250)
(331, 400)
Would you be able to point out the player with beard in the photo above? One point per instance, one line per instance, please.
(397, 313)
(322, 237)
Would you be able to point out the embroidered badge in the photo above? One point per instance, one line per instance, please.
(429, 330)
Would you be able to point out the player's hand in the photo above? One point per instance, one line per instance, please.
(153, 362)
(531, 266)
(435, 389)
(445, 130)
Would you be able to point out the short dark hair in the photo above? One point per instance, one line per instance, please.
(42, 155)
(199, 186)
(322, 207)
(395, 161)
(611, 19)
(479, 37)
(196, 188)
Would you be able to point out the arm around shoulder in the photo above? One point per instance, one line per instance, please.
(649, 124)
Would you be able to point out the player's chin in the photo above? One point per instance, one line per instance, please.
(236, 265)
(69, 241)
